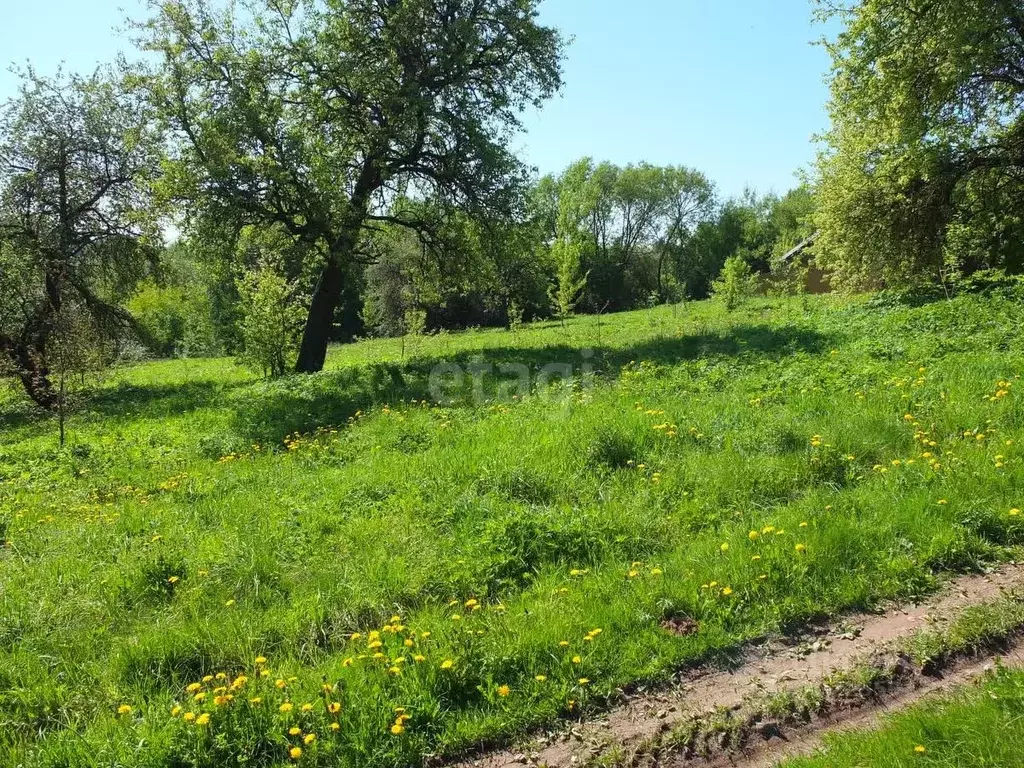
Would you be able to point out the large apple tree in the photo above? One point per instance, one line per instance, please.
(318, 115)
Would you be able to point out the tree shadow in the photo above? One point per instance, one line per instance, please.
(124, 401)
(298, 404)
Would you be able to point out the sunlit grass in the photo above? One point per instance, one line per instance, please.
(976, 725)
(747, 471)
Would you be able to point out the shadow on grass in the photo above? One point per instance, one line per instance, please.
(271, 410)
(125, 401)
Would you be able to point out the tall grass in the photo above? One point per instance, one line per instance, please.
(749, 471)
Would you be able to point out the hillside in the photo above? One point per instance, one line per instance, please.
(212, 553)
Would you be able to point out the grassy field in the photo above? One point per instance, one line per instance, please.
(977, 726)
(338, 570)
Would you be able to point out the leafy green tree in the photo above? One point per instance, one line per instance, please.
(689, 201)
(736, 283)
(271, 319)
(922, 171)
(316, 116)
(175, 319)
(77, 157)
(575, 202)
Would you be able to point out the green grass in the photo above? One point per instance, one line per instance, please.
(978, 725)
(186, 530)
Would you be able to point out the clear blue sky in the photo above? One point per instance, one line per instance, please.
(732, 87)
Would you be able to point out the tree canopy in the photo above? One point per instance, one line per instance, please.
(922, 173)
(317, 116)
(77, 158)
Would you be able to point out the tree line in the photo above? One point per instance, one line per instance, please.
(316, 171)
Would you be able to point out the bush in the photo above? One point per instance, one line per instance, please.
(736, 283)
(271, 321)
(175, 321)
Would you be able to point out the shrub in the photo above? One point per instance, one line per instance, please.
(736, 283)
(271, 320)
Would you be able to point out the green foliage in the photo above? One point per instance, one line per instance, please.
(310, 116)
(77, 156)
(515, 317)
(971, 725)
(569, 283)
(736, 284)
(920, 177)
(175, 321)
(271, 321)
(630, 224)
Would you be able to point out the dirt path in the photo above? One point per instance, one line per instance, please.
(805, 740)
(771, 667)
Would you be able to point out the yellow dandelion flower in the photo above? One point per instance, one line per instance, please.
(286, 707)
(203, 719)
(447, 664)
(295, 753)
(725, 546)
(294, 731)
(577, 660)
(188, 717)
(541, 678)
(309, 739)
(124, 709)
(504, 690)
(584, 681)
(334, 707)
(919, 749)
(261, 659)
(397, 729)
(335, 726)
(801, 548)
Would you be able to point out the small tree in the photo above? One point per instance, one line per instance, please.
(271, 322)
(76, 358)
(569, 285)
(414, 324)
(514, 313)
(736, 283)
(77, 160)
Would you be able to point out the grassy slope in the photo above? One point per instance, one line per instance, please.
(976, 726)
(141, 559)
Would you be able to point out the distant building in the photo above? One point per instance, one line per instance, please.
(817, 280)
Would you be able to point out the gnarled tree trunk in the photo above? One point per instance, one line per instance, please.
(317, 333)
